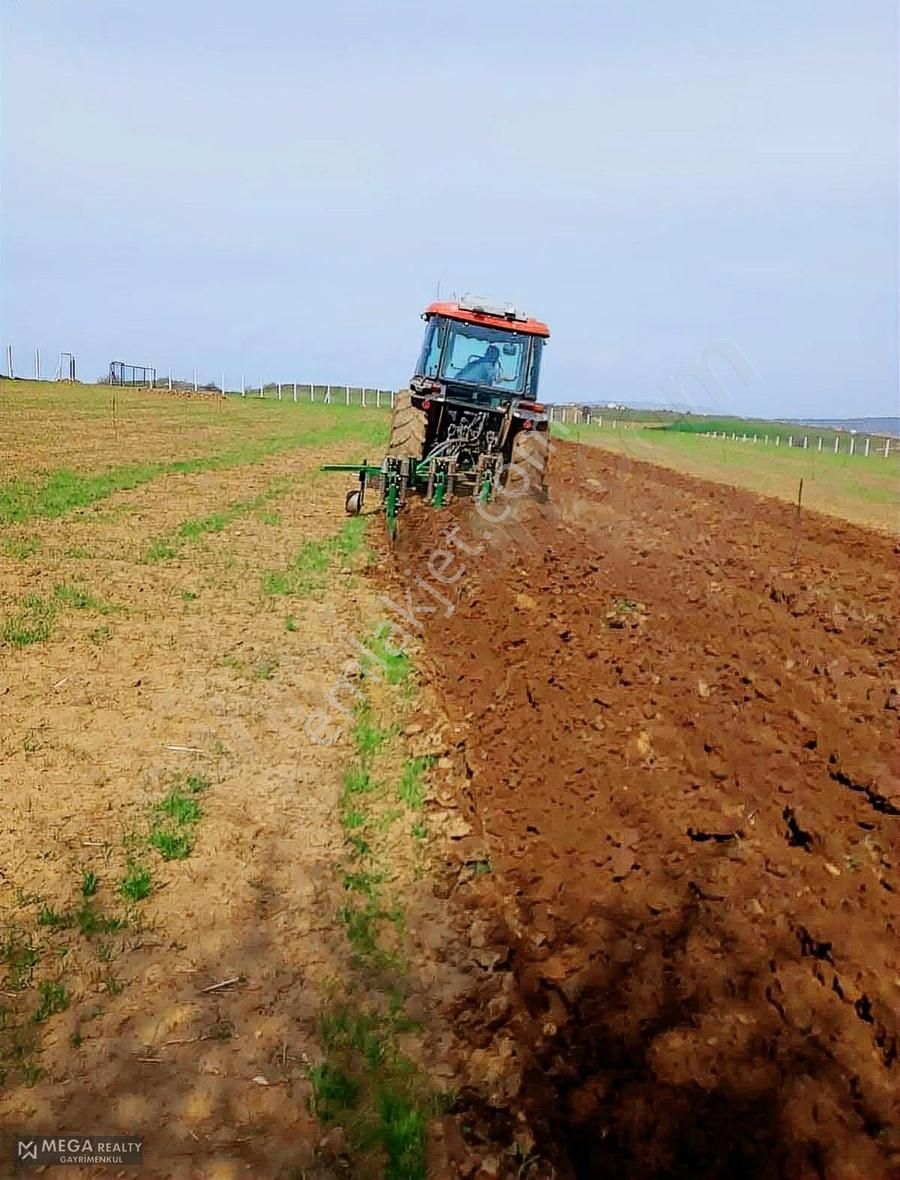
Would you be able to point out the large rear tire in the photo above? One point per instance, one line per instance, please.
(527, 471)
(407, 440)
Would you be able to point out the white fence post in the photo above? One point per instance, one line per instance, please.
(790, 440)
(868, 441)
(243, 387)
(392, 399)
(346, 395)
(279, 391)
(37, 364)
(9, 361)
(377, 399)
(852, 444)
(170, 380)
(223, 385)
(195, 380)
(261, 394)
(295, 391)
(777, 440)
(887, 447)
(837, 443)
(820, 442)
(364, 395)
(806, 442)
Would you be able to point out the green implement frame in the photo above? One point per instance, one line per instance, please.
(433, 478)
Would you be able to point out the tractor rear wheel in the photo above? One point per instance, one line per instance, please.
(527, 471)
(407, 439)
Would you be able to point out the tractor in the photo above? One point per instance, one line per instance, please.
(469, 423)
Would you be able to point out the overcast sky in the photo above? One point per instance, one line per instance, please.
(279, 187)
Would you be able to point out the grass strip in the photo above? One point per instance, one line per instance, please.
(64, 490)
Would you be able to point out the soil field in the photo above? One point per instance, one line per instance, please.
(677, 708)
(587, 865)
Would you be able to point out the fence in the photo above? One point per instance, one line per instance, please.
(856, 444)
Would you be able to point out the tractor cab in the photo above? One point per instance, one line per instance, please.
(475, 351)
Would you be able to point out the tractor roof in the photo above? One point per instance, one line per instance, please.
(480, 311)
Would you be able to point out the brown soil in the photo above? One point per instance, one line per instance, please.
(677, 707)
(194, 672)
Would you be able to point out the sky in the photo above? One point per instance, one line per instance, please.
(701, 199)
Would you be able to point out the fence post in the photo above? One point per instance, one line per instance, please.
(887, 447)
(195, 380)
(820, 442)
(790, 440)
(868, 441)
(852, 444)
(261, 394)
(615, 423)
(805, 442)
(37, 364)
(364, 395)
(9, 360)
(312, 392)
(295, 391)
(243, 387)
(837, 443)
(170, 380)
(377, 399)
(346, 395)
(777, 440)
(223, 385)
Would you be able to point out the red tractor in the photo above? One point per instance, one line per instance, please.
(469, 421)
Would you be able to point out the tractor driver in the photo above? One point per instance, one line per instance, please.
(484, 370)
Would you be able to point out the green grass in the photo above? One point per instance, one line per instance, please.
(170, 545)
(21, 549)
(90, 921)
(265, 669)
(391, 663)
(373, 1091)
(137, 883)
(35, 617)
(174, 817)
(63, 490)
(53, 999)
(171, 845)
(77, 599)
(31, 623)
(367, 736)
(411, 789)
(19, 956)
(180, 808)
(307, 573)
(47, 916)
(89, 883)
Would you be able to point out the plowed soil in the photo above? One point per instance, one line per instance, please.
(679, 708)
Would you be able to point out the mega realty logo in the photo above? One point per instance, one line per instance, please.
(79, 1149)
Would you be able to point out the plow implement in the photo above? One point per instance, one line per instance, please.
(435, 479)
